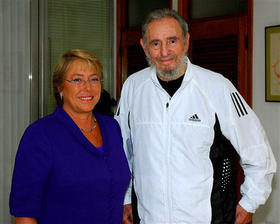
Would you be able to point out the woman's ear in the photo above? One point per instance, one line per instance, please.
(60, 90)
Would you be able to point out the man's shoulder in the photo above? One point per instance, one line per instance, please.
(203, 73)
(140, 76)
(209, 79)
(214, 85)
(138, 80)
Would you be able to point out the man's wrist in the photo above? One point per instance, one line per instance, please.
(248, 204)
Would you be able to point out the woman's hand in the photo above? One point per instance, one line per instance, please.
(127, 214)
(25, 220)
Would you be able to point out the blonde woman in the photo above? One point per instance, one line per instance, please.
(70, 166)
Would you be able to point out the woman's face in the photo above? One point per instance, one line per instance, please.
(81, 88)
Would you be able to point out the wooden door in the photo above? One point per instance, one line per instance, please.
(222, 45)
(130, 55)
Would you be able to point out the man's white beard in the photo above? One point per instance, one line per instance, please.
(168, 74)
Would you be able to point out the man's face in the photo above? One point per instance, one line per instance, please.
(165, 45)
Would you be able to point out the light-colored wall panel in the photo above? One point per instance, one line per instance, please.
(266, 13)
(15, 85)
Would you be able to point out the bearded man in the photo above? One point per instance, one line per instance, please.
(177, 121)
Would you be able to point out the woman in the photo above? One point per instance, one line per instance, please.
(70, 166)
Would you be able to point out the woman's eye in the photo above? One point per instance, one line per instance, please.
(94, 80)
(76, 80)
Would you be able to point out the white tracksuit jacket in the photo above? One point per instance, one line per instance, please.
(167, 143)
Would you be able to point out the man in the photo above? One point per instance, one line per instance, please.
(176, 119)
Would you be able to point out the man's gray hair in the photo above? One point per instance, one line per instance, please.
(160, 14)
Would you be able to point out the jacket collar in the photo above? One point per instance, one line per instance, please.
(78, 135)
(187, 77)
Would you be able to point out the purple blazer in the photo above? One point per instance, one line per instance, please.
(60, 177)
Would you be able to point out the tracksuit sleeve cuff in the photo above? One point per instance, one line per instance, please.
(248, 204)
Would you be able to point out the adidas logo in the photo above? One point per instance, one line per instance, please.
(194, 118)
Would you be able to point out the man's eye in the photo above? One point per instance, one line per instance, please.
(155, 44)
(172, 41)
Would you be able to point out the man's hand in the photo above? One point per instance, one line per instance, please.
(127, 214)
(242, 216)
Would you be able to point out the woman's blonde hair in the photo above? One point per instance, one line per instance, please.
(63, 65)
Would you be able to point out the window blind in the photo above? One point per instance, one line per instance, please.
(83, 24)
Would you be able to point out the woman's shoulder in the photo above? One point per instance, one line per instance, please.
(43, 124)
(107, 120)
(38, 135)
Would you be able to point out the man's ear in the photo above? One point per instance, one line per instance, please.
(187, 42)
(143, 46)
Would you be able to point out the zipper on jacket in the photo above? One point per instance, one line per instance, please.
(167, 104)
(168, 187)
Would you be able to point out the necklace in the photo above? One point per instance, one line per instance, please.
(90, 130)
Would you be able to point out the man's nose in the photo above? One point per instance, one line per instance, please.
(164, 50)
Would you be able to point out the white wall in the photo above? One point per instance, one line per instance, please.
(266, 13)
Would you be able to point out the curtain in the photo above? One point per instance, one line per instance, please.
(15, 81)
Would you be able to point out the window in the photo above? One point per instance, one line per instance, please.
(83, 24)
(137, 10)
(217, 8)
